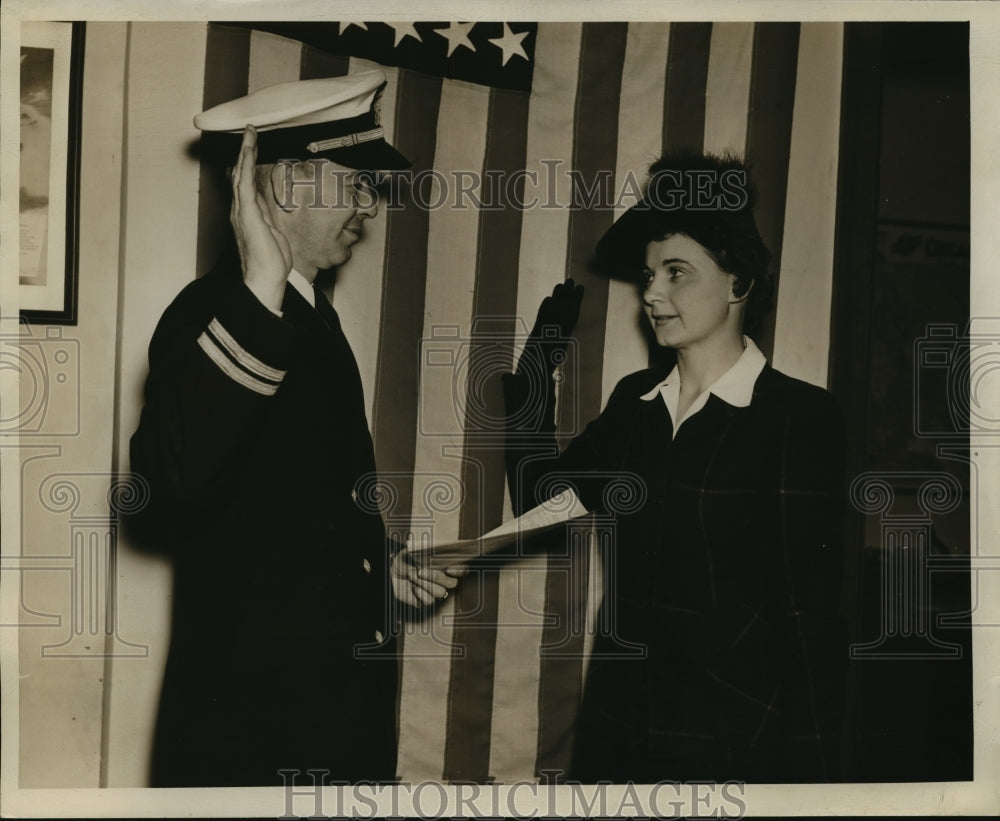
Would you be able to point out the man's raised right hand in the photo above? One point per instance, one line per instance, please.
(265, 255)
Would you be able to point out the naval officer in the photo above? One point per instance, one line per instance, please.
(253, 439)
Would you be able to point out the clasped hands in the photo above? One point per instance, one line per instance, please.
(416, 583)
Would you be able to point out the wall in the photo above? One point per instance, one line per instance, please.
(132, 120)
(65, 475)
(160, 198)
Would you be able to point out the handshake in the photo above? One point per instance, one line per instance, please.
(416, 582)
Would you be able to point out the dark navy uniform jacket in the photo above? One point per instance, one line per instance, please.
(253, 440)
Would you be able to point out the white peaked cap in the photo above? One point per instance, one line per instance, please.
(331, 117)
(300, 102)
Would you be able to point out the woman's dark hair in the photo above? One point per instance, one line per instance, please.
(710, 199)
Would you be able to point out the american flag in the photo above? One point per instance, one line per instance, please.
(490, 683)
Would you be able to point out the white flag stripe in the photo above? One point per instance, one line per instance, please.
(273, 60)
(358, 292)
(423, 700)
(626, 348)
(452, 250)
(805, 289)
(727, 88)
(542, 262)
(640, 139)
(520, 621)
(514, 732)
(544, 231)
(640, 113)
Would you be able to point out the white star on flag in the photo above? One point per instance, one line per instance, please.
(404, 30)
(457, 34)
(510, 43)
(345, 26)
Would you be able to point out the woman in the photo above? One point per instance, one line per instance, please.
(728, 561)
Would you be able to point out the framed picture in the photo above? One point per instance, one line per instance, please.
(51, 82)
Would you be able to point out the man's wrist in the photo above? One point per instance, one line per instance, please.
(270, 294)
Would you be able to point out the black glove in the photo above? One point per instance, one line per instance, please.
(557, 316)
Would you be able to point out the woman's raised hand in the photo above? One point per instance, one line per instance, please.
(557, 316)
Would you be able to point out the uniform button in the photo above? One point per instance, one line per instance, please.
(354, 496)
(367, 565)
(379, 637)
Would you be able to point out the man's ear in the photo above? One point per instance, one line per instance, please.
(281, 188)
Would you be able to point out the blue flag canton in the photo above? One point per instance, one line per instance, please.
(500, 55)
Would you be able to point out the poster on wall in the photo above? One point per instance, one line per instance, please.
(51, 60)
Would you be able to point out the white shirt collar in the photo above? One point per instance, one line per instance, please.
(303, 286)
(735, 386)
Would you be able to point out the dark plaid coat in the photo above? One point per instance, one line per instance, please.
(252, 438)
(727, 571)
